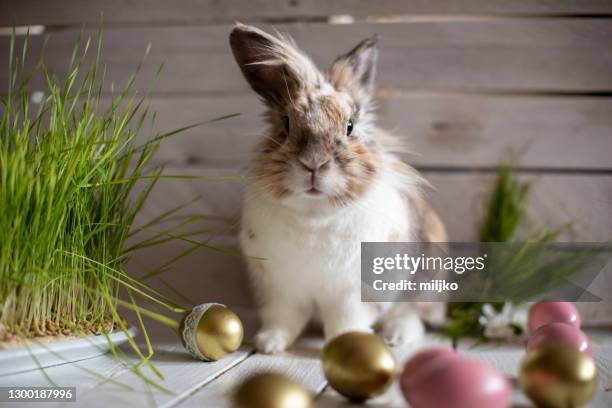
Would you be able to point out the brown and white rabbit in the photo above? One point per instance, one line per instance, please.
(324, 179)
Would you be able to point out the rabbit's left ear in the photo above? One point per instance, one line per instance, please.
(274, 67)
(357, 68)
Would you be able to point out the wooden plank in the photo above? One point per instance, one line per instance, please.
(514, 55)
(300, 363)
(105, 379)
(446, 130)
(442, 130)
(182, 373)
(73, 12)
(554, 201)
(459, 198)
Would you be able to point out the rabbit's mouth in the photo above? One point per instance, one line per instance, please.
(314, 192)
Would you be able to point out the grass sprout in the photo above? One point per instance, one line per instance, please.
(72, 179)
(523, 265)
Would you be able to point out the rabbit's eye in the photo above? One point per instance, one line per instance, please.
(349, 127)
(286, 124)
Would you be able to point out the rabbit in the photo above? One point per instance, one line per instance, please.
(323, 180)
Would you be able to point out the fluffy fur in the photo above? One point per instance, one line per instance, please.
(316, 190)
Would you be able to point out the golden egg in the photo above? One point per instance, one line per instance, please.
(359, 365)
(271, 390)
(558, 376)
(211, 331)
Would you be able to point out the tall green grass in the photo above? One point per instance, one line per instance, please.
(506, 219)
(72, 179)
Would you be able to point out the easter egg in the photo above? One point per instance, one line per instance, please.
(423, 359)
(271, 390)
(558, 376)
(358, 365)
(211, 331)
(458, 383)
(560, 333)
(546, 312)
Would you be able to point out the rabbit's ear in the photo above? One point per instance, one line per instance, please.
(357, 68)
(274, 67)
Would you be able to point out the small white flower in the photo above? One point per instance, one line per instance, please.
(499, 325)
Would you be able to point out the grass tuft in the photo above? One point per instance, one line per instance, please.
(72, 179)
(505, 217)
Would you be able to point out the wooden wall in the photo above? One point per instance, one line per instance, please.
(462, 81)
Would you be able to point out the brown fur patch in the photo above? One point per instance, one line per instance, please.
(361, 168)
(342, 76)
(432, 228)
(270, 168)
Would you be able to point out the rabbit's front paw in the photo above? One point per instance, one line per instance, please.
(403, 331)
(272, 341)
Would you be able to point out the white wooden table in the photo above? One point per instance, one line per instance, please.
(105, 381)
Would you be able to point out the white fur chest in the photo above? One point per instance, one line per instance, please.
(308, 253)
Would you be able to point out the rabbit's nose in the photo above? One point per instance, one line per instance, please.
(314, 166)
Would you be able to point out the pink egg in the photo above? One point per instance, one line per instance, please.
(560, 333)
(457, 383)
(545, 312)
(422, 359)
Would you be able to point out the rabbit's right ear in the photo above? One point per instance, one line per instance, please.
(356, 69)
(274, 67)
